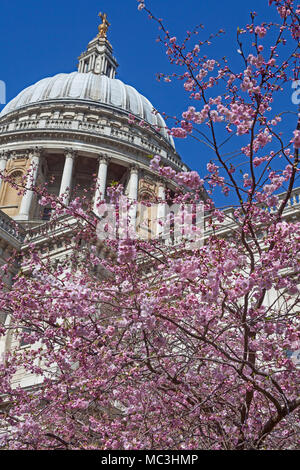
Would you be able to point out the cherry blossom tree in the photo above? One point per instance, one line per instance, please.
(139, 344)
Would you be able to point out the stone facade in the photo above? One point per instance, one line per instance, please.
(75, 132)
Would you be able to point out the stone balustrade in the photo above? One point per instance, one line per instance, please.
(293, 202)
(104, 128)
(8, 226)
(226, 225)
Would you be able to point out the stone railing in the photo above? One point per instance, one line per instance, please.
(292, 204)
(46, 229)
(292, 208)
(228, 224)
(58, 124)
(92, 128)
(10, 228)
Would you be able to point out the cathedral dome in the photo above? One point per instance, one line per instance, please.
(89, 87)
(80, 128)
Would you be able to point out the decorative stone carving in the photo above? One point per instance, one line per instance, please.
(5, 155)
(70, 153)
(103, 157)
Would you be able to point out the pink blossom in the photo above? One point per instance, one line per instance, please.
(296, 139)
(190, 179)
(141, 4)
(131, 119)
(153, 342)
(178, 132)
(155, 163)
(261, 31)
(126, 251)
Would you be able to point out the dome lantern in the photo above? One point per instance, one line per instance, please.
(98, 58)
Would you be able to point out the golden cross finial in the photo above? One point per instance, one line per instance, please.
(104, 26)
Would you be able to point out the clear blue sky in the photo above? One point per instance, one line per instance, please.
(40, 39)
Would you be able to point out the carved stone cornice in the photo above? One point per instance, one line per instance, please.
(95, 134)
(8, 154)
(10, 123)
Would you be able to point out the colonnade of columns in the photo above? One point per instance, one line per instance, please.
(35, 156)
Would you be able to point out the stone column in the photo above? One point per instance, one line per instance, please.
(4, 155)
(101, 180)
(35, 158)
(161, 209)
(66, 181)
(133, 195)
(133, 183)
